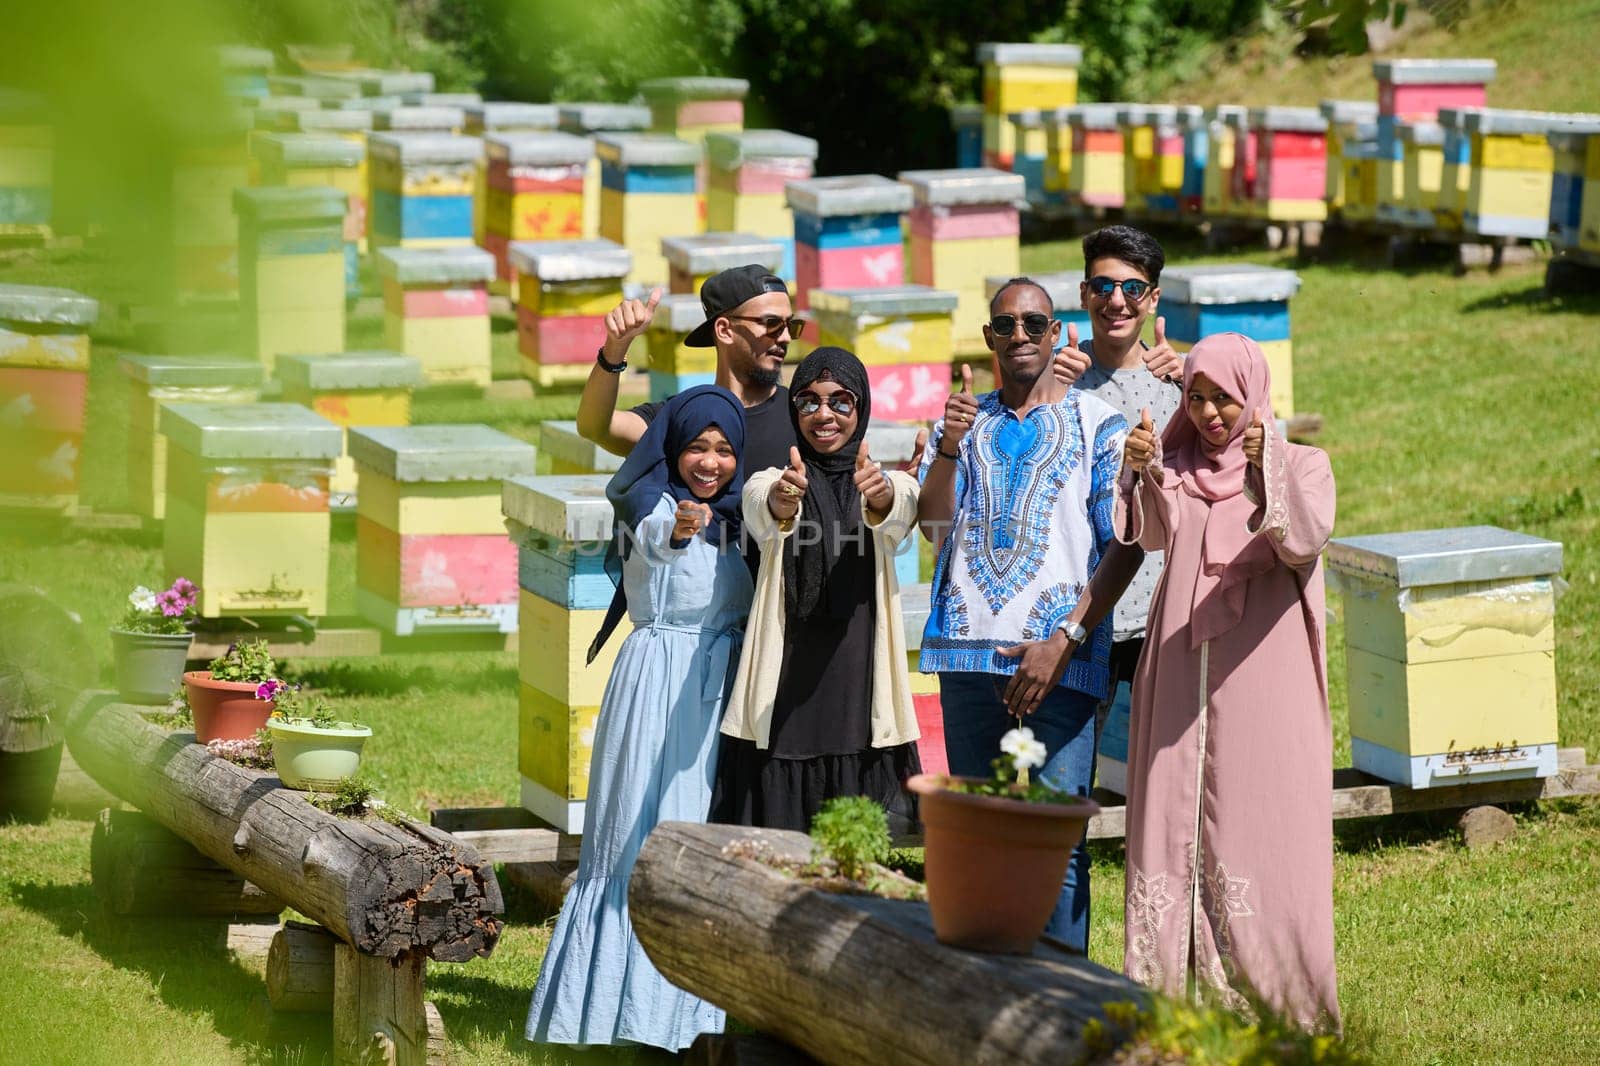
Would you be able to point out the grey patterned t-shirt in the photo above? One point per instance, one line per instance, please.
(1130, 391)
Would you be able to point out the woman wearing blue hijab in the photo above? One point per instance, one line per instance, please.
(686, 590)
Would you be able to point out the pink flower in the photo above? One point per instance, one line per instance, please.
(269, 689)
(185, 588)
(172, 605)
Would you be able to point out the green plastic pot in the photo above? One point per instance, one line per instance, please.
(315, 759)
(149, 666)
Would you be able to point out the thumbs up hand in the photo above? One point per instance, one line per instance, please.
(872, 484)
(1163, 360)
(1140, 447)
(1071, 361)
(1255, 439)
(784, 500)
(691, 518)
(960, 411)
(626, 321)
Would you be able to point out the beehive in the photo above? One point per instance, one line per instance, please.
(1152, 160)
(313, 86)
(244, 70)
(27, 163)
(1030, 152)
(308, 159)
(1508, 190)
(1221, 135)
(205, 236)
(691, 108)
(408, 119)
(1569, 148)
(1413, 89)
(1057, 152)
(1292, 162)
(431, 550)
(436, 309)
(421, 189)
(647, 192)
(507, 116)
(691, 260)
(1242, 298)
(1350, 122)
(903, 335)
(965, 227)
(461, 101)
(1422, 170)
(674, 366)
(291, 270)
(588, 120)
(247, 506)
(353, 126)
(565, 451)
(561, 527)
(351, 389)
(914, 609)
(564, 289)
(533, 191)
(1450, 653)
(847, 233)
(744, 187)
(1195, 125)
(391, 82)
(1242, 177)
(44, 382)
(1096, 178)
(966, 122)
(1022, 77)
(157, 380)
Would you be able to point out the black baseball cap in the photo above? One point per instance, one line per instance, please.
(726, 290)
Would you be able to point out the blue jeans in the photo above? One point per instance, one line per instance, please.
(975, 719)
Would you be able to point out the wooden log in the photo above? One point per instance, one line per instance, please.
(547, 882)
(387, 888)
(77, 793)
(138, 867)
(300, 969)
(743, 1049)
(438, 1039)
(850, 979)
(251, 941)
(378, 1012)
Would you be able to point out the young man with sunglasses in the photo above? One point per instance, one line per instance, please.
(750, 321)
(1017, 495)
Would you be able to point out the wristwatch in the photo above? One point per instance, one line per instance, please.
(604, 364)
(1074, 632)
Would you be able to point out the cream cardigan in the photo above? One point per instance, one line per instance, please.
(755, 687)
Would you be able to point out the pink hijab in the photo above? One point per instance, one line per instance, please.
(1231, 554)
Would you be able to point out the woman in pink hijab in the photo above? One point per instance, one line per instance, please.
(1230, 827)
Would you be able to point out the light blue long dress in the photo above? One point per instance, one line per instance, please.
(654, 761)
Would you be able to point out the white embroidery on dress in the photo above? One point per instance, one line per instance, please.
(1148, 903)
(1274, 466)
(1225, 898)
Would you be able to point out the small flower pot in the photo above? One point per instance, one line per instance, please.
(28, 783)
(994, 866)
(149, 665)
(224, 710)
(314, 758)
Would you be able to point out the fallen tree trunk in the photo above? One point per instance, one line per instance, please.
(851, 979)
(387, 889)
(139, 867)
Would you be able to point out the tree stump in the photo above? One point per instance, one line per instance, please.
(378, 1011)
(300, 969)
(138, 867)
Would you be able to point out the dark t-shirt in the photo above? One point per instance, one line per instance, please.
(768, 433)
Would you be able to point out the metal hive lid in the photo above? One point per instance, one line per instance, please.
(965, 185)
(1033, 55)
(349, 370)
(435, 266)
(1434, 71)
(194, 370)
(727, 149)
(1446, 556)
(421, 148)
(1224, 284)
(538, 149)
(853, 194)
(43, 304)
(646, 150)
(311, 149)
(572, 508)
(694, 88)
(441, 452)
(707, 253)
(889, 300)
(571, 260)
(251, 431)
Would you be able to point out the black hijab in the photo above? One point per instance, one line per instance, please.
(820, 575)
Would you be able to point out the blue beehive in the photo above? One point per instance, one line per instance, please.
(1248, 299)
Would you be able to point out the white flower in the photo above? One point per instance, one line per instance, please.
(1025, 751)
(143, 600)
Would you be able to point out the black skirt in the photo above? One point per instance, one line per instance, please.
(755, 787)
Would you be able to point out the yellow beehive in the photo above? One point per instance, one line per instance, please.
(351, 389)
(566, 451)
(436, 310)
(964, 228)
(1423, 170)
(1349, 122)
(205, 235)
(1242, 298)
(1450, 653)
(44, 384)
(292, 270)
(1023, 77)
(1513, 167)
(746, 174)
(564, 289)
(647, 192)
(592, 119)
(896, 325)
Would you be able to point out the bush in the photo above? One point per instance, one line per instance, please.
(853, 831)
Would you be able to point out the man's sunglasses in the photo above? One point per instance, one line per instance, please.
(773, 325)
(1034, 323)
(841, 403)
(1134, 289)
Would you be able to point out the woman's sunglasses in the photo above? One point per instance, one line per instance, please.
(772, 325)
(1134, 289)
(1033, 323)
(841, 403)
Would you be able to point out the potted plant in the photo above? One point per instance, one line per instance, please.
(223, 698)
(44, 661)
(997, 849)
(151, 644)
(312, 749)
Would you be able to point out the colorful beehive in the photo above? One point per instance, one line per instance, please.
(564, 289)
(1569, 147)
(351, 389)
(534, 191)
(205, 236)
(431, 548)
(562, 527)
(1241, 298)
(44, 382)
(244, 70)
(914, 609)
(247, 505)
(1023, 77)
(1216, 198)
(1292, 163)
(588, 120)
(391, 82)
(370, 104)
(315, 86)
(1589, 222)
(1096, 179)
(436, 309)
(690, 108)
(1195, 125)
(1030, 152)
(353, 126)
(847, 233)
(508, 116)
(454, 100)
(1064, 294)
(744, 188)
(157, 380)
(1242, 177)
(673, 365)
(966, 122)
(1350, 122)
(566, 451)
(647, 192)
(691, 260)
(1152, 160)
(964, 227)
(273, 114)
(1508, 191)
(302, 159)
(903, 335)
(1450, 653)
(1413, 89)
(1057, 153)
(1422, 169)
(407, 119)
(292, 270)
(27, 163)
(421, 195)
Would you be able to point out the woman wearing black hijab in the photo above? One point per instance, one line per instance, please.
(821, 706)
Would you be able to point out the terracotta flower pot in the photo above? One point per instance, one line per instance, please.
(224, 710)
(148, 665)
(994, 866)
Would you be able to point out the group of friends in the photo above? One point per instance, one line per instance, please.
(1113, 514)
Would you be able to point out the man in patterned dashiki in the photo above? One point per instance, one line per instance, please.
(1017, 495)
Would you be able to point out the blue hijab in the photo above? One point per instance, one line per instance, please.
(651, 469)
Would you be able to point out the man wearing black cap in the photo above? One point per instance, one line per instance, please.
(750, 321)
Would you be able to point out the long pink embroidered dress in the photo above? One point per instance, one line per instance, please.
(1230, 830)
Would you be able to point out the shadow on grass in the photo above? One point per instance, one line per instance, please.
(395, 676)
(1361, 836)
(479, 1010)
(1535, 298)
